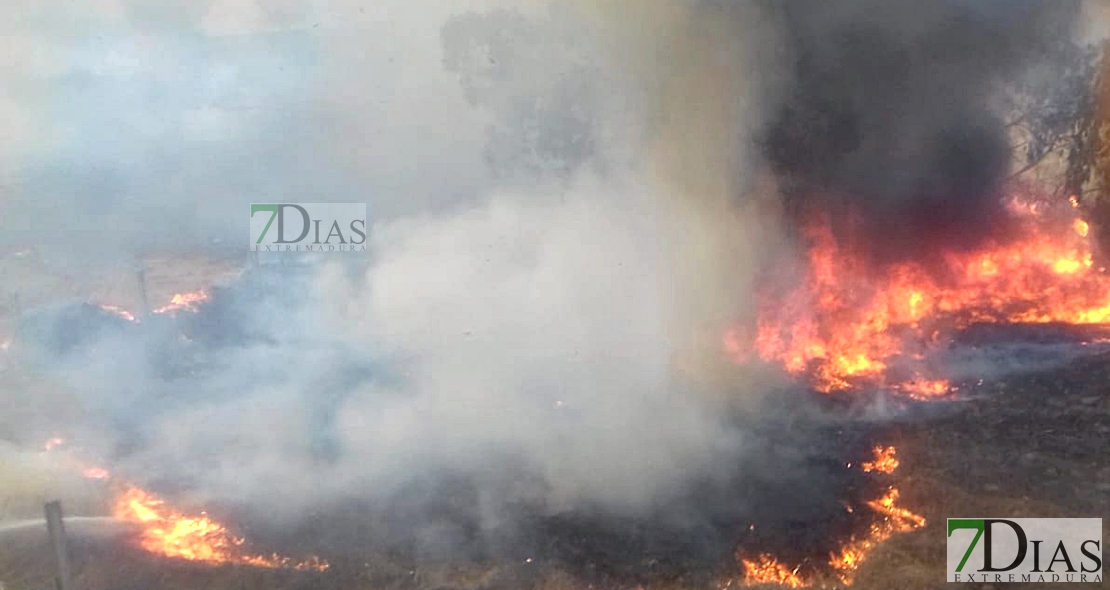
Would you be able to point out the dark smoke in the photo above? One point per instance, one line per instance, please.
(890, 113)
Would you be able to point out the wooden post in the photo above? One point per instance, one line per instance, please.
(57, 530)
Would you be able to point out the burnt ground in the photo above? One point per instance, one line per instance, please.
(1026, 445)
(1033, 445)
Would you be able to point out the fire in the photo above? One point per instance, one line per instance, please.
(884, 462)
(53, 443)
(167, 532)
(184, 302)
(850, 324)
(94, 473)
(119, 311)
(894, 520)
(924, 388)
(179, 302)
(891, 519)
(1081, 228)
(765, 569)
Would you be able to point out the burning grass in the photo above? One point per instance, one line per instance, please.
(874, 327)
(851, 323)
(190, 302)
(170, 532)
(888, 519)
(884, 461)
(184, 302)
(932, 480)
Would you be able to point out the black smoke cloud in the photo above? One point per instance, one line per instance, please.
(890, 113)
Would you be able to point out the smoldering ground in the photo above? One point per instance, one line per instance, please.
(569, 205)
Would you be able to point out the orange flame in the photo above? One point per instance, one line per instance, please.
(94, 473)
(894, 520)
(119, 311)
(168, 532)
(53, 443)
(884, 462)
(179, 302)
(765, 569)
(184, 302)
(848, 323)
(891, 520)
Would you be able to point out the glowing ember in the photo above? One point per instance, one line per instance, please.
(850, 323)
(168, 532)
(184, 302)
(94, 473)
(53, 443)
(884, 461)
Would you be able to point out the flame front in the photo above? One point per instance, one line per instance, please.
(170, 533)
(848, 322)
(179, 302)
(894, 520)
(890, 519)
(885, 461)
(765, 569)
(119, 311)
(184, 302)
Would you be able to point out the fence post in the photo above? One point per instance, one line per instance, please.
(57, 530)
(140, 278)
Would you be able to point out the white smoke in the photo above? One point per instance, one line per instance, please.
(562, 318)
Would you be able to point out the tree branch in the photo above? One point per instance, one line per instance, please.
(1026, 168)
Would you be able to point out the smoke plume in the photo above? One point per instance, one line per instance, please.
(891, 113)
(569, 205)
(549, 271)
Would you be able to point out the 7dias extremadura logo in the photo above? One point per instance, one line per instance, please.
(1025, 550)
(308, 227)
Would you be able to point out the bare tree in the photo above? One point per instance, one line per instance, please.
(1060, 119)
(537, 80)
